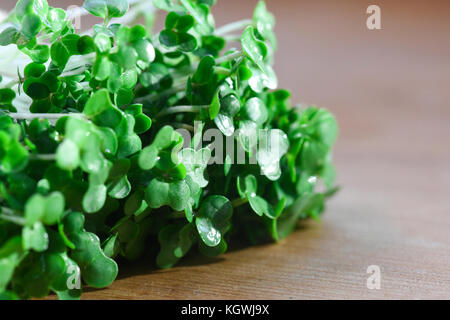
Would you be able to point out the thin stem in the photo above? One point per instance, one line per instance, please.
(87, 61)
(181, 87)
(49, 116)
(9, 215)
(43, 157)
(177, 215)
(165, 93)
(239, 202)
(222, 71)
(229, 57)
(11, 84)
(188, 127)
(181, 109)
(232, 38)
(238, 25)
(106, 22)
(330, 192)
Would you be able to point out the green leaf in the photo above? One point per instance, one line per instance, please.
(148, 157)
(213, 219)
(321, 132)
(56, 19)
(127, 57)
(68, 155)
(69, 294)
(326, 128)
(107, 9)
(256, 50)
(145, 50)
(35, 237)
(195, 163)
(38, 53)
(214, 108)
(205, 70)
(175, 241)
(247, 188)
(172, 20)
(124, 96)
(14, 158)
(120, 188)
(187, 238)
(34, 209)
(49, 209)
(168, 5)
(67, 183)
(178, 40)
(261, 206)
(8, 295)
(34, 70)
(143, 123)
(201, 14)
(273, 147)
(11, 36)
(112, 246)
(97, 269)
(23, 7)
(62, 50)
(35, 89)
(31, 25)
(54, 208)
(256, 111)
(248, 135)
(173, 194)
(85, 45)
(265, 23)
(7, 95)
(229, 107)
(94, 198)
(10, 256)
(310, 203)
(99, 102)
(102, 68)
(164, 138)
(103, 42)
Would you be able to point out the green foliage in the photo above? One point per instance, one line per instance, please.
(96, 268)
(213, 220)
(95, 169)
(107, 9)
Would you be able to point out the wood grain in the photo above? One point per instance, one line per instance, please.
(390, 90)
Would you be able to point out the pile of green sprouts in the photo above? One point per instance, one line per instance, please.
(103, 153)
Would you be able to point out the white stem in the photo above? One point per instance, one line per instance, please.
(232, 38)
(233, 27)
(166, 93)
(181, 109)
(9, 215)
(222, 71)
(229, 57)
(43, 157)
(11, 84)
(50, 116)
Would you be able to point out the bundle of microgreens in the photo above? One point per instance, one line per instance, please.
(96, 158)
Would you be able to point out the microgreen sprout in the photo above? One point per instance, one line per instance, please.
(116, 140)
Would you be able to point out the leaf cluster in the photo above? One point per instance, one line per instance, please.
(95, 170)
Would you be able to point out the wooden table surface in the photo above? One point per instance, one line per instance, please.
(390, 91)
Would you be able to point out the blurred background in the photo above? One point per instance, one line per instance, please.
(390, 91)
